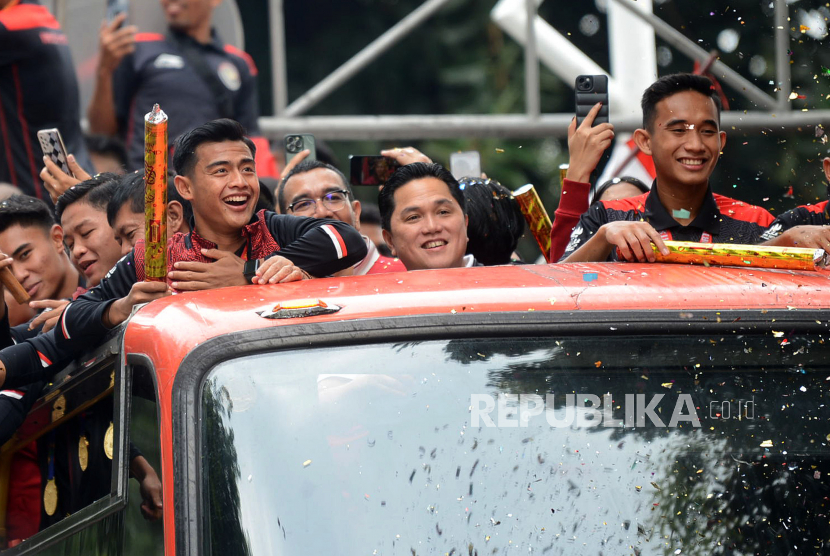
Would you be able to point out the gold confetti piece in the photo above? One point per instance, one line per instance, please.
(803, 28)
(766, 444)
(667, 385)
(777, 334)
(655, 485)
(453, 311)
(639, 488)
(597, 364)
(793, 95)
(699, 471)
(306, 463)
(499, 150)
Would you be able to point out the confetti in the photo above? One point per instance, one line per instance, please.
(667, 385)
(777, 334)
(793, 95)
(499, 150)
(589, 276)
(681, 213)
(766, 444)
(306, 463)
(597, 364)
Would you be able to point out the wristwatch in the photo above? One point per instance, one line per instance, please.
(249, 270)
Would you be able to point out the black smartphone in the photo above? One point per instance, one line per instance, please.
(371, 170)
(591, 89)
(51, 143)
(117, 7)
(295, 144)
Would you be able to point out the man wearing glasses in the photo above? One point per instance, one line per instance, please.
(320, 190)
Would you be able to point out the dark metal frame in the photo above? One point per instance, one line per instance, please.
(189, 382)
(105, 356)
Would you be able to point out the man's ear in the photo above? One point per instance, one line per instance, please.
(56, 235)
(175, 217)
(356, 211)
(387, 237)
(826, 165)
(642, 139)
(722, 140)
(184, 186)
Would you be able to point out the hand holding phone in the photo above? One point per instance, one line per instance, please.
(586, 145)
(589, 90)
(51, 143)
(295, 144)
(116, 8)
(371, 170)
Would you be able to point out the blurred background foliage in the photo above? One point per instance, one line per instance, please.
(459, 62)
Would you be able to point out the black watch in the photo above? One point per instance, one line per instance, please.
(249, 270)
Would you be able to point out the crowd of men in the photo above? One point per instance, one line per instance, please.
(82, 261)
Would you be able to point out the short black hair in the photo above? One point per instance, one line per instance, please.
(130, 190)
(107, 145)
(598, 192)
(495, 220)
(669, 85)
(302, 168)
(408, 173)
(90, 192)
(25, 211)
(215, 131)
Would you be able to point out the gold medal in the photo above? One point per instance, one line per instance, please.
(108, 441)
(50, 497)
(83, 452)
(58, 408)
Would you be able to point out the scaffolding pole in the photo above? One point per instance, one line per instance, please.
(364, 57)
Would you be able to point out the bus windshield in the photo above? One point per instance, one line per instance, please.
(619, 445)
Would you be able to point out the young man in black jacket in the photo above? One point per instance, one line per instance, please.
(216, 173)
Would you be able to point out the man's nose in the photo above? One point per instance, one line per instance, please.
(20, 271)
(432, 223)
(322, 211)
(693, 140)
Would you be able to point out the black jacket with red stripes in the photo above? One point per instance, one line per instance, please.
(38, 90)
(320, 247)
(805, 215)
(720, 220)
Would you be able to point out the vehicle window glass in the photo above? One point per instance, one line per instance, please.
(144, 530)
(646, 445)
(60, 460)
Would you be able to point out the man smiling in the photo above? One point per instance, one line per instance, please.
(681, 131)
(423, 217)
(216, 173)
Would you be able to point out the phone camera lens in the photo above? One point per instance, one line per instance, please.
(294, 143)
(584, 84)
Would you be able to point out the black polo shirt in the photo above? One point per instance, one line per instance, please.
(805, 215)
(720, 220)
(157, 72)
(38, 90)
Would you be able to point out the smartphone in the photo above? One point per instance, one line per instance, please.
(465, 164)
(591, 89)
(52, 145)
(117, 7)
(370, 170)
(295, 144)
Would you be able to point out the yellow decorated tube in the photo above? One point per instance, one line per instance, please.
(155, 195)
(758, 256)
(537, 217)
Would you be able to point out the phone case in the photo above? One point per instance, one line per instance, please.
(587, 97)
(296, 143)
(52, 145)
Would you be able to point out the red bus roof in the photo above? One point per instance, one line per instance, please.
(189, 319)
